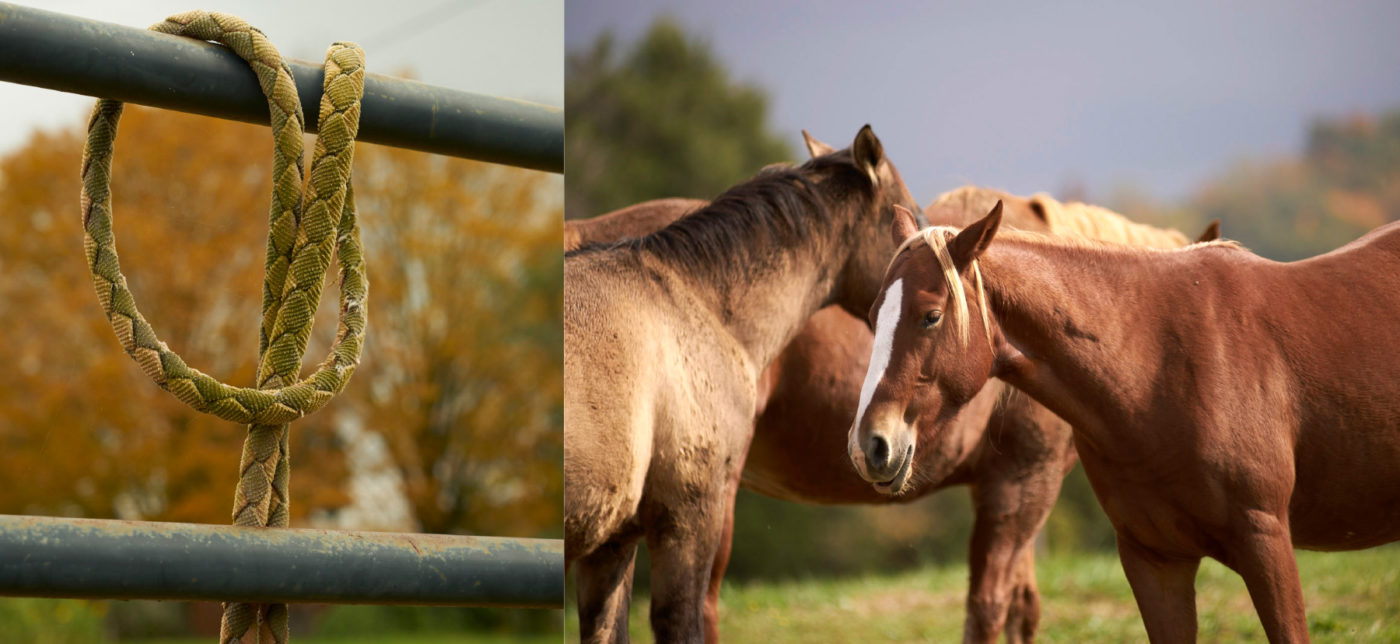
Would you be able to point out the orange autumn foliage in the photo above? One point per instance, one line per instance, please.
(460, 373)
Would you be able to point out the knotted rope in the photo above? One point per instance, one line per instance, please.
(303, 232)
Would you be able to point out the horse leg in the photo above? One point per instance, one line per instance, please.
(1023, 613)
(683, 549)
(991, 560)
(726, 543)
(1009, 514)
(1016, 487)
(1165, 589)
(605, 591)
(1262, 553)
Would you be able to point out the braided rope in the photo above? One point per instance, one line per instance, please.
(303, 232)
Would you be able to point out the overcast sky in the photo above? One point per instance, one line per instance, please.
(1038, 95)
(509, 48)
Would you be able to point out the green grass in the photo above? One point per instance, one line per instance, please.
(427, 638)
(1351, 597)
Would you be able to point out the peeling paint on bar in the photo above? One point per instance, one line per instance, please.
(95, 558)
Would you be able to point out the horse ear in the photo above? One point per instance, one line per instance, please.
(970, 243)
(1039, 207)
(1211, 233)
(867, 153)
(904, 225)
(816, 147)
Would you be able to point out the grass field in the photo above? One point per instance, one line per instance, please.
(1351, 597)
(425, 638)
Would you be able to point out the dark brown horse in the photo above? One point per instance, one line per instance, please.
(1014, 456)
(633, 221)
(1224, 405)
(664, 340)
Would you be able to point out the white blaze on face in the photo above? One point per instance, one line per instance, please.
(887, 320)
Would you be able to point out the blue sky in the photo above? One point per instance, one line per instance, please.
(1043, 95)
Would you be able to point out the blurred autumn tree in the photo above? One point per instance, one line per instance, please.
(463, 373)
(1345, 182)
(460, 378)
(665, 120)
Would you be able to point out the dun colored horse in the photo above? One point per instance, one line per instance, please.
(1013, 455)
(664, 340)
(1224, 405)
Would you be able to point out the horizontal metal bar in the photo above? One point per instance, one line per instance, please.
(102, 559)
(82, 56)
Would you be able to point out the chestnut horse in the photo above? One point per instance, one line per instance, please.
(664, 340)
(633, 221)
(1224, 405)
(1014, 456)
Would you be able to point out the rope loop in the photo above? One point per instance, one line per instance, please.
(304, 230)
(300, 240)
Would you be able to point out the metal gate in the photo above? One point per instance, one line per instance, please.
(107, 559)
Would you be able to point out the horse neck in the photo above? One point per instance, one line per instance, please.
(762, 298)
(1079, 319)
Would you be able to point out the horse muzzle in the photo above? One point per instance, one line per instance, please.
(885, 458)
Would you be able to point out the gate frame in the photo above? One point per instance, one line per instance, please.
(111, 559)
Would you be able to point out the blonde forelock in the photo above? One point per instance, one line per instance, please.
(937, 238)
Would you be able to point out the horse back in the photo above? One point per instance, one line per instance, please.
(633, 221)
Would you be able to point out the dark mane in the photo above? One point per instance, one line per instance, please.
(778, 208)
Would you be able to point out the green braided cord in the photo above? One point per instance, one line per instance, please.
(301, 237)
(283, 402)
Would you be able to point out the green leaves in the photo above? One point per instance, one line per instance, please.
(664, 120)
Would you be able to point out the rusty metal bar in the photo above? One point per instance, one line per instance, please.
(82, 56)
(102, 559)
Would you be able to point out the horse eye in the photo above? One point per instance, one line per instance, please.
(931, 318)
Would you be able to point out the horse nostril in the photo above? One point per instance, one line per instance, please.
(879, 453)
